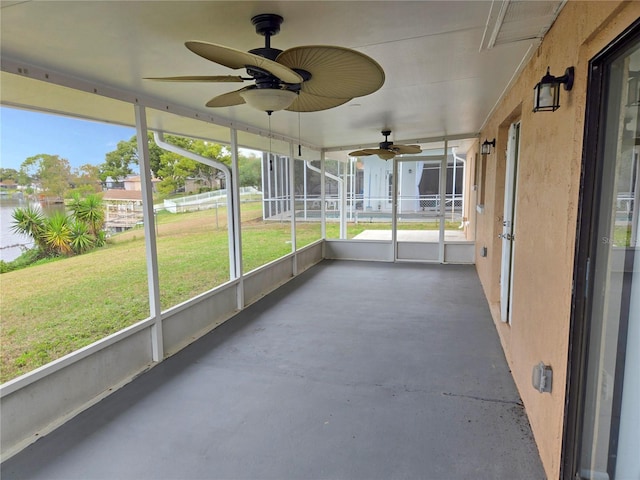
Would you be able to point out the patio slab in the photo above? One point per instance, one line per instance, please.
(352, 370)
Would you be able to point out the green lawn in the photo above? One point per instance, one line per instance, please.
(52, 309)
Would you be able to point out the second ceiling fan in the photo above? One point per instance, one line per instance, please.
(387, 149)
(300, 79)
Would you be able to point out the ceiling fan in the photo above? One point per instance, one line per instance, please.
(387, 149)
(300, 79)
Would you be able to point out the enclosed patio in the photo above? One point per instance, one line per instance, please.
(358, 370)
(451, 194)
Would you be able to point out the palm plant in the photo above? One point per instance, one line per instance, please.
(58, 233)
(101, 238)
(89, 210)
(30, 221)
(74, 204)
(81, 238)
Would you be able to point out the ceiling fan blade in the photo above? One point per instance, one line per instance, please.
(336, 72)
(232, 58)
(305, 102)
(227, 99)
(406, 149)
(366, 151)
(198, 78)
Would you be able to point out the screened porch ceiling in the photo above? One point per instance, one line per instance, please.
(447, 64)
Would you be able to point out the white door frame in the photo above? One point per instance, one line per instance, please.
(509, 222)
(441, 162)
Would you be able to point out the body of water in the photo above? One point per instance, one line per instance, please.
(11, 244)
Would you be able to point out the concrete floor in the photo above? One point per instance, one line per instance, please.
(353, 370)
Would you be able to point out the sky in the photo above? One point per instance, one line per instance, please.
(24, 134)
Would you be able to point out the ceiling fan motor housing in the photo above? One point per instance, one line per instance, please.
(386, 145)
(270, 53)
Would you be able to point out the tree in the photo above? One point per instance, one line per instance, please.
(86, 179)
(214, 151)
(118, 162)
(175, 169)
(50, 171)
(250, 171)
(9, 174)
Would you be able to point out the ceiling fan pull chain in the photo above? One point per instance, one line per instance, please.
(270, 156)
(299, 141)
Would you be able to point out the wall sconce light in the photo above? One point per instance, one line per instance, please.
(546, 94)
(485, 148)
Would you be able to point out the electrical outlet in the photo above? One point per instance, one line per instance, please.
(542, 377)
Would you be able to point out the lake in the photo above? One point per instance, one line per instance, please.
(12, 245)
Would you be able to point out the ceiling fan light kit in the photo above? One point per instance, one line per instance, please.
(300, 79)
(268, 99)
(386, 155)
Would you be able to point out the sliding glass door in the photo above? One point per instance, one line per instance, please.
(603, 432)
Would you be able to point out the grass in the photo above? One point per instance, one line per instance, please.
(622, 235)
(54, 308)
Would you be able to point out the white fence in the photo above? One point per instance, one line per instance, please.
(205, 201)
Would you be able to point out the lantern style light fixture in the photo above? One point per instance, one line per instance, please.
(546, 94)
(485, 148)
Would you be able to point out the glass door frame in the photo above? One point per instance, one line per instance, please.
(586, 241)
(442, 197)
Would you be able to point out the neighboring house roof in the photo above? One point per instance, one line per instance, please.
(122, 195)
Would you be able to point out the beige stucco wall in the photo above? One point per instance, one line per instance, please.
(546, 210)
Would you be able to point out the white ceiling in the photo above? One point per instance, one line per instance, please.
(446, 63)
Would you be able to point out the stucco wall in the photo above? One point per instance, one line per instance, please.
(546, 210)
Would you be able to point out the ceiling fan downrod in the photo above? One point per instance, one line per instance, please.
(386, 144)
(267, 25)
